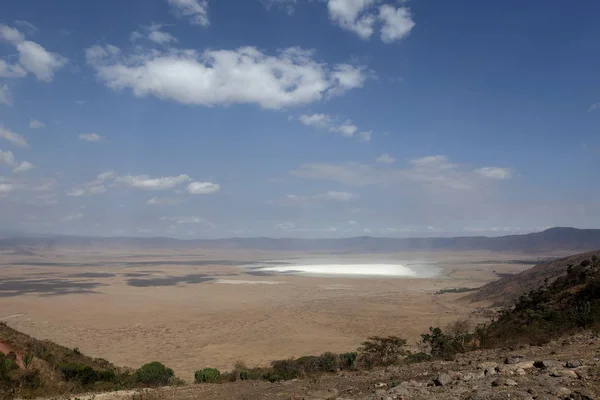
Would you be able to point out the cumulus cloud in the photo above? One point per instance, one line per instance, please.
(93, 187)
(33, 57)
(155, 34)
(221, 77)
(362, 17)
(351, 15)
(5, 95)
(494, 172)
(91, 137)
(195, 11)
(23, 167)
(397, 23)
(12, 137)
(8, 158)
(345, 128)
(203, 188)
(594, 107)
(146, 183)
(385, 159)
(35, 124)
(316, 120)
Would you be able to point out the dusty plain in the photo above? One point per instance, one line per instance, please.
(193, 309)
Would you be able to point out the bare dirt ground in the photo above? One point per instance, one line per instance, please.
(185, 310)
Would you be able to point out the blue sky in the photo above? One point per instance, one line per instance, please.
(283, 118)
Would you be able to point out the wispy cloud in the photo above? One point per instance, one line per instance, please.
(12, 137)
(91, 137)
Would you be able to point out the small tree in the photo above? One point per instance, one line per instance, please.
(383, 350)
(27, 359)
(155, 374)
(207, 375)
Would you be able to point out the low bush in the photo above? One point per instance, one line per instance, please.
(348, 360)
(414, 358)
(207, 375)
(382, 350)
(154, 374)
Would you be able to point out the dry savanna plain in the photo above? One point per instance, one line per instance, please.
(195, 309)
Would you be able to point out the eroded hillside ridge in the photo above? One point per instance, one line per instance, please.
(550, 240)
(507, 289)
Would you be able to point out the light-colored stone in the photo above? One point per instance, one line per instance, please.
(443, 379)
(510, 382)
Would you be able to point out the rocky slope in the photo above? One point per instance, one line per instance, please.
(565, 369)
(505, 290)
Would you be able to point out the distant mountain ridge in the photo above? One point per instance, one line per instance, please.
(553, 239)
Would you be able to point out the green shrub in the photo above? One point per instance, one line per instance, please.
(382, 350)
(207, 375)
(29, 379)
(283, 370)
(154, 374)
(244, 375)
(417, 358)
(76, 373)
(348, 360)
(27, 359)
(329, 362)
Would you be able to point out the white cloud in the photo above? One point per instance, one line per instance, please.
(495, 173)
(345, 129)
(352, 222)
(23, 167)
(154, 34)
(91, 137)
(164, 201)
(79, 102)
(203, 188)
(385, 159)
(316, 120)
(27, 25)
(33, 57)
(361, 17)
(325, 121)
(87, 191)
(330, 196)
(287, 5)
(7, 158)
(594, 106)
(35, 124)
(14, 138)
(431, 172)
(11, 70)
(367, 230)
(147, 183)
(397, 23)
(351, 15)
(196, 11)
(5, 95)
(222, 77)
(7, 188)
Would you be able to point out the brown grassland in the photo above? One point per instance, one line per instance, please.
(185, 310)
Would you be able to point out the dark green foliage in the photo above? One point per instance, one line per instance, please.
(382, 350)
(29, 379)
(329, 362)
(207, 375)
(569, 303)
(456, 290)
(154, 374)
(27, 359)
(283, 370)
(348, 360)
(84, 374)
(414, 358)
(244, 375)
